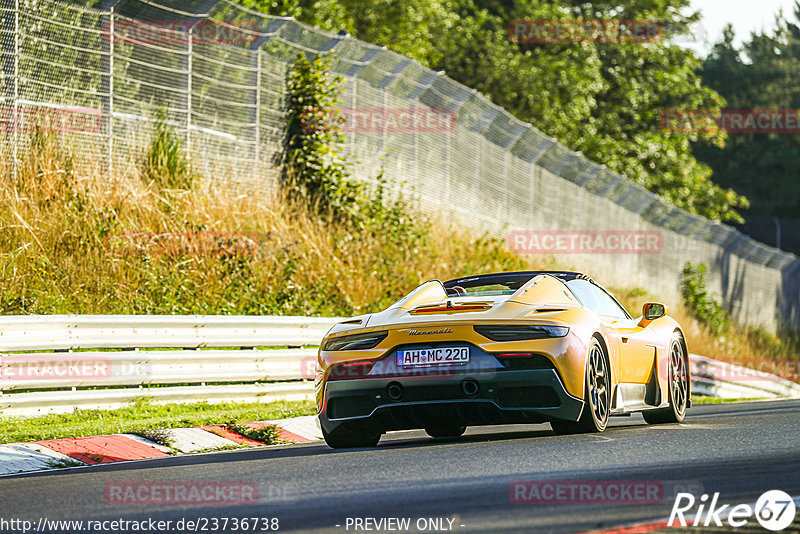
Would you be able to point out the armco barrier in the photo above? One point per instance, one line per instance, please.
(185, 358)
(59, 363)
(720, 379)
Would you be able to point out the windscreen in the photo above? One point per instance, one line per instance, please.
(499, 283)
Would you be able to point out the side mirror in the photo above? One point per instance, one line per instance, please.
(652, 311)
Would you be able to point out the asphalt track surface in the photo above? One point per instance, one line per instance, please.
(739, 450)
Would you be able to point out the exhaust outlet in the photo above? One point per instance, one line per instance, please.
(394, 391)
(469, 387)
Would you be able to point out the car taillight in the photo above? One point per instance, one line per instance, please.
(512, 332)
(350, 370)
(366, 340)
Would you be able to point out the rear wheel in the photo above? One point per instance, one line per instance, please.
(597, 395)
(348, 439)
(677, 386)
(445, 431)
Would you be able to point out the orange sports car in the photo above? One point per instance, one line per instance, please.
(518, 347)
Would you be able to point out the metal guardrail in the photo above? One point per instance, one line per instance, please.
(715, 378)
(61, 363)
(48, 363)
(59, 332)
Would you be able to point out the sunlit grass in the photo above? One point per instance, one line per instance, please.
(702, 399)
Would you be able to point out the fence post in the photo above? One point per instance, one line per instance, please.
(506, 208)
(258, 108)
(384, 132)
(15, 93)
(415, 134)
(448, 203)
(108, 112)
(189, 94)
(475, 185)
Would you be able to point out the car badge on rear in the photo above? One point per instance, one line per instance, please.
(426, 332)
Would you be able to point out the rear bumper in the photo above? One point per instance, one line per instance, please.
(520, 396)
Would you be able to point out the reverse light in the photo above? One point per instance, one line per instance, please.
(367, 340)
(350, 370)
(519, 361)
(512, 332)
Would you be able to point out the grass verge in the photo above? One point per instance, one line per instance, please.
(268, 435)
(145, 419)
(703, 399)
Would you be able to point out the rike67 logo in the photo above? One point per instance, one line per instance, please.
(774, 510)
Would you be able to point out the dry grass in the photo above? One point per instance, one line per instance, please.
(67, 247)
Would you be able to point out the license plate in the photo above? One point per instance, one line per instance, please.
(440, 356)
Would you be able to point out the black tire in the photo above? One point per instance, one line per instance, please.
(350, 439)
(678, 387)
(597, 395)
(445, 431)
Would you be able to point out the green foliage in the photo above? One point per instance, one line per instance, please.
(314, 172)
(312, 169)
(410, 28)
(700, 303)
(156, 435)
(760, 74)
(165, 163)
(63, 463)
(76, 86)
(602, 99)
(267, 434)
(785, 346)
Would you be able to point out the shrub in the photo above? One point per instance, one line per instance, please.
(700, 303)
(165, 163)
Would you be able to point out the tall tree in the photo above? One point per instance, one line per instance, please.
(763, 74)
